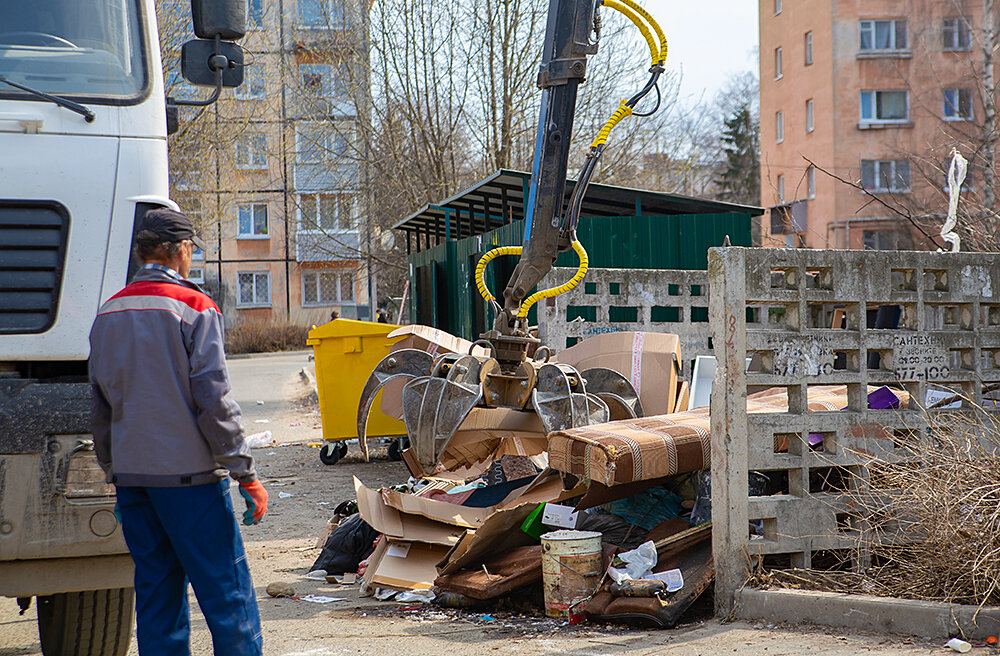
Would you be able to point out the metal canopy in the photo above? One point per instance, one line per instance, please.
(499, 199)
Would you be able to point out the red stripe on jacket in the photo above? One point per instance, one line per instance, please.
(196, 300)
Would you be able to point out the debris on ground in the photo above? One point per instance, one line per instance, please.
(280, 589)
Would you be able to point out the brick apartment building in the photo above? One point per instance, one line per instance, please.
(278, 192)
(876, 92)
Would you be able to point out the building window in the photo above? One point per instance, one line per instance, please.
(322, 14)
(255, 14)
(889, 175)
(955, 35)
(777, 63)
(253, 84)
(810, 117)
(327, 212)
(809, 48)
(328, 287)
(252, 221)
(781, 189)
(777, 7)
(957, 105)
(322, 79)
(197, 275)
(254, 289)
(811, 181)
(885, 106)
(251, 151)
(886, 240)
(779, 127)
(883, 35)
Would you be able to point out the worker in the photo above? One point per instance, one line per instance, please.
(167, 434)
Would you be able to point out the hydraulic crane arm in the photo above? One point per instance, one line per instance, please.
(548, 230)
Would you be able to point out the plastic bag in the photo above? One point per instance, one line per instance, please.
(638, 563)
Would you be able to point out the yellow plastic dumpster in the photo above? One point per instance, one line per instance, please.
(346, 352)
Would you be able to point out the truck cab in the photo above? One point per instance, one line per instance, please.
(83, 155)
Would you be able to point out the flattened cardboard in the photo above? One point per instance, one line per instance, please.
(425, 338)
(439, 511)
(414, 571)
(683, 396)
(395, 524)
(650, 359)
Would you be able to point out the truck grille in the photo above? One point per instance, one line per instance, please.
(32, 252)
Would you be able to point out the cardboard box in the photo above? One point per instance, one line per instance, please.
(651, 361)
(403, 526)
(404, 565)
(425, 338)
(439, 511)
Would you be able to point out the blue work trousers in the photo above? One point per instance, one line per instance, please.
(181, 534)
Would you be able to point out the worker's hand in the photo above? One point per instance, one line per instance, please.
(256, 497)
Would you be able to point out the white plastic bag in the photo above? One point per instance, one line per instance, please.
(638, 563)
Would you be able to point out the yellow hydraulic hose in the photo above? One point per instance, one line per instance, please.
(562, 289)
(628, 12)
(537, 296)
(656, 26)
(620, 113)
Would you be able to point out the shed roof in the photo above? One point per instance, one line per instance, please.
(500, 198)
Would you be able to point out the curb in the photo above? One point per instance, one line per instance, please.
(866, 613)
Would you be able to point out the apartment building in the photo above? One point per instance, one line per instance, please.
(272, 171)
(867, 96)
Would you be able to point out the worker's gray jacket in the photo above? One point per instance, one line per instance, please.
(163, 414)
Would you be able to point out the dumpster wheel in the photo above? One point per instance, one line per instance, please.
(331, 452)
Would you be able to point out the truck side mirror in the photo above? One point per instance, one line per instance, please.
(201, 62)
(226, 19)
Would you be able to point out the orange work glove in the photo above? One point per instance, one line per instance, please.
(256, 497)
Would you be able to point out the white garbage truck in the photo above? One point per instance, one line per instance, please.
(83, 155)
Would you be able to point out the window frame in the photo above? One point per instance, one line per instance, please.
(251, 72)
(778, 74)
(253, 234)
(326, 17)
(893, 176)
(811, 182)
(781, 189)
(872, 24)
(777, 7)
(316, 273)
(250, 165)
(945, 104)
(779, 126)
(255, 304)
(338, 196)
(197, 279)
(251, 25)
(958, 20)
(808, 48)
(810, 116)
(874, 107)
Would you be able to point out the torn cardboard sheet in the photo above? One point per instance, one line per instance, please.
(439, 511)
(651, 361)
(396, 524)
(407, 565)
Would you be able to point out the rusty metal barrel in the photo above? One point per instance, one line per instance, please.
(571, 570)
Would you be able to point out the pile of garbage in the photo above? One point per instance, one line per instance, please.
(607, 522)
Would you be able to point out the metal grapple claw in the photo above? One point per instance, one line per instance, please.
(615, 390)
(403, 364)
(561, 400)
(435, 406)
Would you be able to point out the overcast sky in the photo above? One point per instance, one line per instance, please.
(709, 40)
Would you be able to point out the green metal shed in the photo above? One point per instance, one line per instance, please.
(619, 227)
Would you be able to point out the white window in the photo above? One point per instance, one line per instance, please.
(252, 221)
(777, 63)
(885, 175)
(251, 151)
(809, 48)
(955, 35)
(781, 189)
(777, 7)
(883, 35)
(253, 84)
(316, 143)
(327, 212)
(957, 105)
(328, 287)
(322, 14)
(322, 79)
(810, 116)
(885, 106)
(255, 14)
(811, 181)
(197, 275)
(254, 289)
(779, 127)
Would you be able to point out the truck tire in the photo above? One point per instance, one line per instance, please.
(89, 623)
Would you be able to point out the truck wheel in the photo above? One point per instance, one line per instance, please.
(89, 623)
